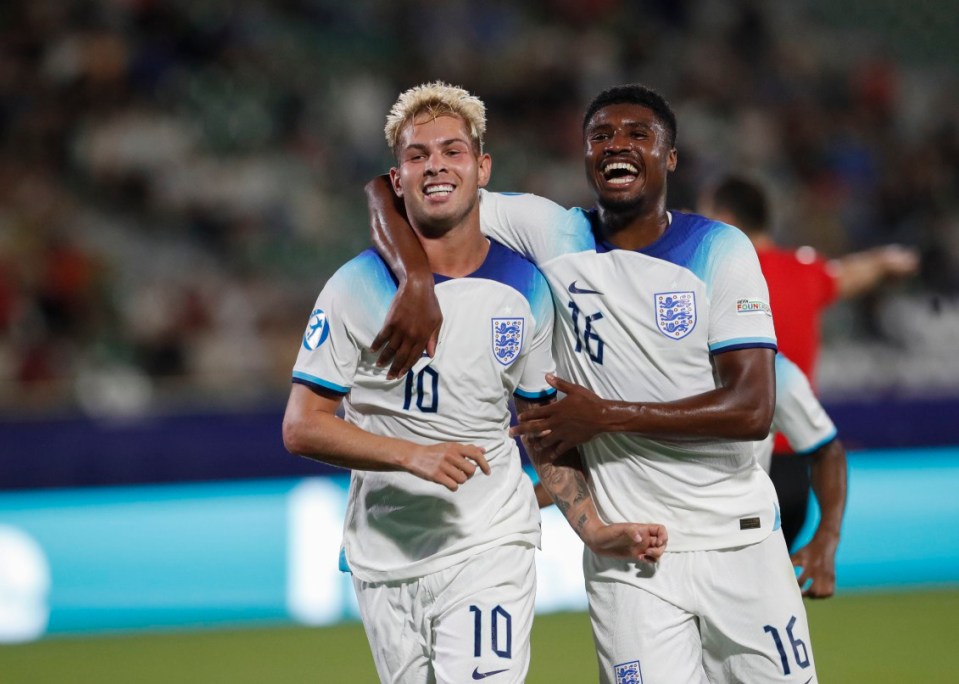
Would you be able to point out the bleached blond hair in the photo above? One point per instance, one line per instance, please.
(437, 99)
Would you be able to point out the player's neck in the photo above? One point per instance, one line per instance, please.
(457, 252)
(634, 229)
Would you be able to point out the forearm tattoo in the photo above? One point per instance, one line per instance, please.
(565, 480)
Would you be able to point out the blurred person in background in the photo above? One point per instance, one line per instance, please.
(810, 432)
(665, 334)
(801, 286)
(442, 556)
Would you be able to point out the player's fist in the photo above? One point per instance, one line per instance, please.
(628, 541)
(449, 464)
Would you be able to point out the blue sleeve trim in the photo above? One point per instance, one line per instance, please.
(344, 566)
(313, 381)
(820, 444)
(743, 343)
(535, 395)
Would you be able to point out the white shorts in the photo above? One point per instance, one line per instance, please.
(730, 615)
(460, 624)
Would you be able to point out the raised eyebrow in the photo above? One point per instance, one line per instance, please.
(443, 143)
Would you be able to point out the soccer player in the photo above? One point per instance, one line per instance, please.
(803, 421)
(664, 346)
(442, 556)
(801, 285)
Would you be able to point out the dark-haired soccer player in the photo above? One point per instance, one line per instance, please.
(664, 342)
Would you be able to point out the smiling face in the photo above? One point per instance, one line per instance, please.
(439, 173)
(628, 155)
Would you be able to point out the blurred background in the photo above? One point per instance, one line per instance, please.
(178, 178)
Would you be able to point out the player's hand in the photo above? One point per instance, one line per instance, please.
(556, 428)
(899, 261)
(818, 562)
(412, 326)
(627, 541)
(449, 464)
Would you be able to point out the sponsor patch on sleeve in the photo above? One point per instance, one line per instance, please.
(753, 306)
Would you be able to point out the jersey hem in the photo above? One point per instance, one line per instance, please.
(735, 345)
(431, 565)
(542, 394)
(312, 381)
(817, 445)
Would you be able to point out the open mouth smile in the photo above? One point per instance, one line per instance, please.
(619, 172)
(438, 190)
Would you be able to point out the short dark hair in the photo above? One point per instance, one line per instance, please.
(634, 93)
(744, 199)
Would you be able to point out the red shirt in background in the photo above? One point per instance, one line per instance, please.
(801, 285)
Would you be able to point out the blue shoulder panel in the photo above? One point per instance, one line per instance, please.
(503, 265)
(369, 281)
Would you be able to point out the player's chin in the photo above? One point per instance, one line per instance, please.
(618, 199)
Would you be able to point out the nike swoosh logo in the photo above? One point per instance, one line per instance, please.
(807, 681)
(483, 675)
(579, 290)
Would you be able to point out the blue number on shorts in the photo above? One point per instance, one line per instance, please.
(589, 335)
(421, 395)
(800, 653)
(497, 616)
(507, 650)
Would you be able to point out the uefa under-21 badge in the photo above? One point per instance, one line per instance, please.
(317, 330)
(676, 313)
(507, 338)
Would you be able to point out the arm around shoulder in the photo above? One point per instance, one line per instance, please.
(413, 321)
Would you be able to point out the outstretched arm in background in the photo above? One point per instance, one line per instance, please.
(563, 481)
(312, 429)
(861, 272)
(413, 322)
(818, 557)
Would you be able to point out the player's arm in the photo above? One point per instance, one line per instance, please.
(563, 481)
(863, 271)
(818, 557)
(414, 318)
(312, 429)
(740, 408)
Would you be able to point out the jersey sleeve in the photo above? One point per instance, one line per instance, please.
(799, 416)
(534, 226)
(539, 360)
(346, 316)
(828, 284)
(739, 312)
(328, 354)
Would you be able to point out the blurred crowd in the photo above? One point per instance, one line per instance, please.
(179, 177)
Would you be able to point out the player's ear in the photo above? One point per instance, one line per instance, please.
(485, 163)
(671, 160)
(395, 181)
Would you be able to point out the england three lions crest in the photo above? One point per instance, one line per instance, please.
(507, 339)
(675, 314)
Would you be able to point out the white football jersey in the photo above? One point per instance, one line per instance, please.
(494, 342)
(799, 415)
(641, 326)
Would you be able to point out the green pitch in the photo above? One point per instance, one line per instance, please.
(869, 638)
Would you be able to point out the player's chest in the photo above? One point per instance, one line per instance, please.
(629, 298)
